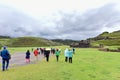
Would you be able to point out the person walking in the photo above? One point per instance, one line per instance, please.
(57, 53)
(66, 54)
(73, 50)
(39, 51)
(47, 52)
(53, 50)
(27, 56)
(36, 54)
(70, 55)
(5, 58)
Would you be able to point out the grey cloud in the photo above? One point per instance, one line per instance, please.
(72, 25)
(90, 23)
(15, 24)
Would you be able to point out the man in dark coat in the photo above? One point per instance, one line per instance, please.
(5, 58)
(47, 52)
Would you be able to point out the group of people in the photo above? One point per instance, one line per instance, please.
(43, 51)
(47, 51)
(69, 54)
(39, 51)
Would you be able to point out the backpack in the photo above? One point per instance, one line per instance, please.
(9, 56)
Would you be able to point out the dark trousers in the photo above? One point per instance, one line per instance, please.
(5, 64)
(66, 59)
(47, 58)
(57, 57)
(70, 59)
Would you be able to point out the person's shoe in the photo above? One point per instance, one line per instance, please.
(6, 69)
(3, 69)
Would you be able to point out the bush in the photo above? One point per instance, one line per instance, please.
(118, 49)
(0, 45)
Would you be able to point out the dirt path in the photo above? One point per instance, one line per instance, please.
(18, 59)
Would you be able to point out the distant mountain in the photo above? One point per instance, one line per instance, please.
(106, 38)
(4, 37)
(65, 41)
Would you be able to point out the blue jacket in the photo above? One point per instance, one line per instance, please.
(66, 53)
(70, 53)
(5, 54)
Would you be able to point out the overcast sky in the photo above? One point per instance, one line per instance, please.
(63, 19)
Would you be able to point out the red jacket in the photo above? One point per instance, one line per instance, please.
(36, 52)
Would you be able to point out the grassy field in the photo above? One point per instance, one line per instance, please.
(88, 64)
(114, 47)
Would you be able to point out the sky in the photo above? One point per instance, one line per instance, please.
(59, 19)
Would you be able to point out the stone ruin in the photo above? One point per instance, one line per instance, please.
(81, 44)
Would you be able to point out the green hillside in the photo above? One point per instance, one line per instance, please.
(65, 41)
(27, 42)
(108, 39)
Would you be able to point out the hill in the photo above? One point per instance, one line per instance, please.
(6, 37)
(106, 38)
(65, 42)
(27, 42)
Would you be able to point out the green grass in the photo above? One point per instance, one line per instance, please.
(4, 42)
(106, 42)
(113, 47)
(88, 64)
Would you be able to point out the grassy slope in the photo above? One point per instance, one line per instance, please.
(88, 64)
(66, 41)
(107, 42)
(3, 42)
(114, 41)
(27, 41)
(115, 34)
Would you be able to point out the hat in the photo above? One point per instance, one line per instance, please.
(4, 47)
(48, 49)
